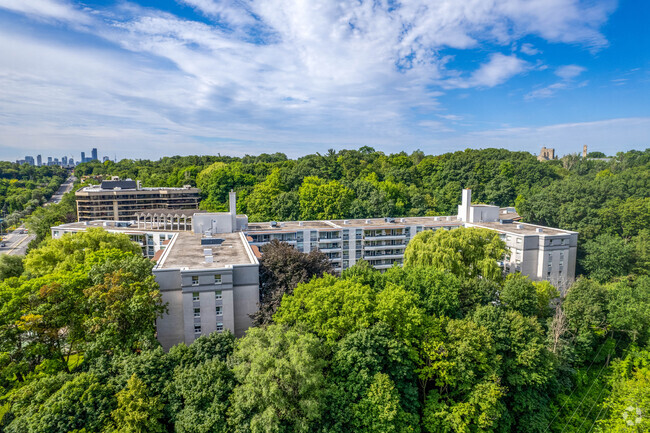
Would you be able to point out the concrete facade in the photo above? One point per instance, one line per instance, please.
(120, 200)
(209, 276)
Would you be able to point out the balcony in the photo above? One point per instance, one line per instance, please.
(384, 237)
(384, 247)
(383, 256)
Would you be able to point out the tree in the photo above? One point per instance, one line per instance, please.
(629, 403)
(71, 250)
(465, 252)
(519, 294)
(458, 374)
(439, 291)
(328, 307)
(123, 310)
(585, 307)
(261, 202)
(137, 411)
(10, 266)
(280, 381)
(380, 410)
(62, 403)
(200, 397)
(598, 258)
(320, 199)
(282, 268)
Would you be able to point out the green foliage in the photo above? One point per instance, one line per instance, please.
(520, 294)
(323, 200)
(199, 397)
(281, 381)
(465, 252)
(282, 268)
(137, 411)
(10, 266)
(328, 307)
(598, 257)
(380, 411)
(70, 250)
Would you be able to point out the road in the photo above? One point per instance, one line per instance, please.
(16, 242)
(65, 187)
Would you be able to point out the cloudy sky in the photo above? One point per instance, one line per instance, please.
(152, 78)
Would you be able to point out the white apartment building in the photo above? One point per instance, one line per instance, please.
(209, 275)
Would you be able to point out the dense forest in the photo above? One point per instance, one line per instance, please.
(605, 199)
(23, 188)
(445, 343)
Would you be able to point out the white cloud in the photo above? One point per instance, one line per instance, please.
(529, 49)
(292, 70)
(498, 69)
(569, 72)
(48, 9)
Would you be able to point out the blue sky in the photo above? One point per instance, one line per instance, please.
(153, 78)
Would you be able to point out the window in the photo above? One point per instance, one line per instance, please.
(195, 280)
(219, 310)
(218, 295)
(219, 327)
(197, 312)
(217, 279)
(197, 329)
(195, 296)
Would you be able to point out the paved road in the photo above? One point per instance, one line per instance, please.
(16, 242)
(65, 187)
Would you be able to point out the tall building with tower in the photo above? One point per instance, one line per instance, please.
(83, 156)
(94, 154)
(39, 160)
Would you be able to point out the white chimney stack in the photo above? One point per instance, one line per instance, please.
(466, 205)
(233, 209)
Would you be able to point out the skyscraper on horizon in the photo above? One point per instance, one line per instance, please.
(39, 160)
(83, 156)
(94, 154)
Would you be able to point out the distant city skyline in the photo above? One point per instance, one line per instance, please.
(152, 79)
(65, 161)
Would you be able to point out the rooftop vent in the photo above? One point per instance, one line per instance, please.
(207, 251)
(346, 222)
(402, 220)
(389, 220)
(367, 221)
(273, 224)
(436, 218)
(209, 259)
(519, 226)
(539, 230)
(211, 241)
(300, 223)
(448, 218)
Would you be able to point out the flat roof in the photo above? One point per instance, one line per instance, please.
(526, 229)
(98, 188)
(186, 252)
(367, 223)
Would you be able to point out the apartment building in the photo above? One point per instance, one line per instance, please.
(541, 253)
(120, 200)
(208, 268)
(208, 275)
